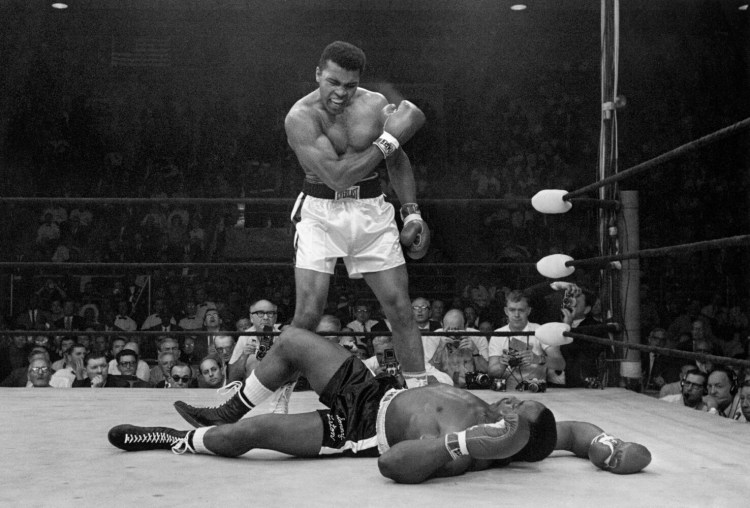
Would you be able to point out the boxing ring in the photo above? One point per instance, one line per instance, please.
(56, 453)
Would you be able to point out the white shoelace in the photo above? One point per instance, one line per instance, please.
(181, 446)
(282, 404)
(230, 389)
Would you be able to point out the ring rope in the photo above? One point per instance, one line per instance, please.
(665, 157)
(663, 350)
(608, 204)
(731, 241)
(610, 327)
(236, 264)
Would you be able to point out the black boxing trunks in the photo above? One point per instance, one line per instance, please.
(353, 395)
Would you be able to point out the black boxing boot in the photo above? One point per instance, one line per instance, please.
(229, 412)
(135, 439)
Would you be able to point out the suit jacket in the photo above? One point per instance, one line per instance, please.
(122, 381)
(86, 383)
(149, 343)
(17, 378)
(25, 322)
(667, 368)
(78, 323)
(581, 357)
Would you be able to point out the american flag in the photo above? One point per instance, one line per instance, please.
(141, 51)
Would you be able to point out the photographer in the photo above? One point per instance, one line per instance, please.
(523, 361)
(457, 354)
(384, 360)
(246, 353)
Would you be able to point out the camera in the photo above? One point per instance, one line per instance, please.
(498, 384)
(477, 380)
(592, 382)
(390, 364)
(514, 360)
(266, 341)
(569, 300)
(533, 386)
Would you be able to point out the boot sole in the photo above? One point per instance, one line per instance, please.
(181, 408)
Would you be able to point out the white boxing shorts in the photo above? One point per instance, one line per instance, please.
(361, 231)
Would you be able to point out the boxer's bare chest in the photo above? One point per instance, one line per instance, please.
(352, 131)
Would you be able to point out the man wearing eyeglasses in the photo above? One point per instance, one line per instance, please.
(39, 373)
(693, 389)
(127, 364)
(362, 321)
(181, 376)
(263, 314)
(420, 308)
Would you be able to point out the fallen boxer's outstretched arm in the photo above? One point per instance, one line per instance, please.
(588, 441)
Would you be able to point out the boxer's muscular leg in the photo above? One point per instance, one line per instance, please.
(297, 434)
(300, 351)
(391, 289)
(312, 293)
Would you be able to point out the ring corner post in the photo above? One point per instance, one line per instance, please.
(630, 288)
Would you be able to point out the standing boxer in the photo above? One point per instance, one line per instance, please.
(341, 133)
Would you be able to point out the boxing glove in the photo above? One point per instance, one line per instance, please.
(415, 235)
(489, 440)
(401, 123)
(616, 456)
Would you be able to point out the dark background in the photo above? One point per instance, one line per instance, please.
(483, 74)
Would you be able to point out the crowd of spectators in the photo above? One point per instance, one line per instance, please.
(43, 357)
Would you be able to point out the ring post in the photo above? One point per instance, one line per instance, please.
(630, 287)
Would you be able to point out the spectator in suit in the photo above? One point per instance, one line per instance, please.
(19, 378)
(70, 320)
(190, 321)
(362, 322)
(127, 363)
(658, 369)
(211, 373)
(180, 376)
(420, 307)
(161, 371)
(123, 321)
(583, 360)
(33, 317)
(142, 370)
(166, 324)
(97, 372)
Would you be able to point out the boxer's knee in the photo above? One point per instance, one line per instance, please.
(306, 319)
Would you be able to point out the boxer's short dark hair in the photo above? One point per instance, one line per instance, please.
(345, 55)
(542, 438)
